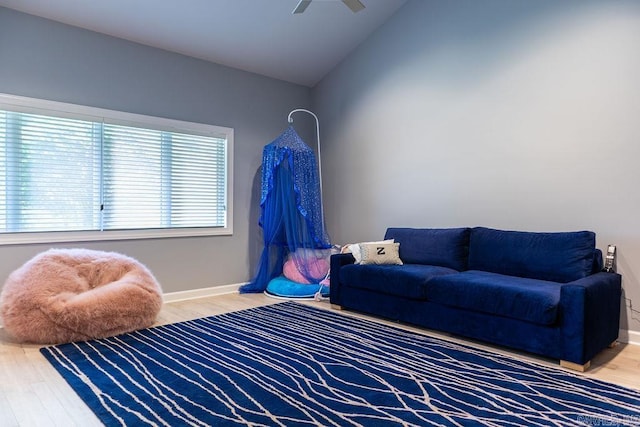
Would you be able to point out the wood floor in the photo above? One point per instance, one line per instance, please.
(32, 393)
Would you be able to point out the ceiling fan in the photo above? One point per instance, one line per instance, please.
(354, 5)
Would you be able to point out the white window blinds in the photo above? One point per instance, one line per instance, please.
(51, 174)
(67, 174)
(156, 179)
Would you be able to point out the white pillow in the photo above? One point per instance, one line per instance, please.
(380, 253)
(354, 248)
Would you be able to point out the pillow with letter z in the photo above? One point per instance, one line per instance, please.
(380, 253)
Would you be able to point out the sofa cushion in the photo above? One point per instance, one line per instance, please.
(557, 257)
(530, 300)
(407, 280)
(444, 247)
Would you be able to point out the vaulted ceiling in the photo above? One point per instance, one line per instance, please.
(260, 36)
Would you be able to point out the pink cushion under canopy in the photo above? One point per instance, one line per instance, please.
(65, 295)
(315, 268)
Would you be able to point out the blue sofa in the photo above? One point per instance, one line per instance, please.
(543, 293)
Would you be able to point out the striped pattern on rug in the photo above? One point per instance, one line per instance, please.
(290, 364)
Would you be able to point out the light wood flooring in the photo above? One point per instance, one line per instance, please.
(32, 393)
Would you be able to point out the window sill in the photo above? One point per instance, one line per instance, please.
(96, 236)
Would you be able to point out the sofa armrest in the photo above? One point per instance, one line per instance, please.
(590, 315)
(337, 262)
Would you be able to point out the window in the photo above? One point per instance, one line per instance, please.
(75, 173)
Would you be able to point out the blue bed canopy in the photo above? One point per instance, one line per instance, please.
(295, 258)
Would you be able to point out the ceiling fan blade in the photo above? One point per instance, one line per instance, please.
(354, 5)
(302, 5)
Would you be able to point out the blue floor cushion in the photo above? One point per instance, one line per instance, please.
(285, 288)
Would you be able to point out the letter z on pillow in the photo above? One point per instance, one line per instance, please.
(354, 248)
(380, 253)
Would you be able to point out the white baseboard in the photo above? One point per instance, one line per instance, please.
(629, 337)
(201, 293)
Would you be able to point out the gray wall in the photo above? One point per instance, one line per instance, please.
(48, 60)
(510, 114)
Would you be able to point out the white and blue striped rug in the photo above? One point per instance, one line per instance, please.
(290, 364)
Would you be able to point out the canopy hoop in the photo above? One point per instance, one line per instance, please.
(290, 120)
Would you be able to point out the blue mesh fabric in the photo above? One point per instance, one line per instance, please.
(291, 218)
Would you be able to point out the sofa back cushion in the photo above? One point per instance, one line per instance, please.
(444, 247)
(557, 257)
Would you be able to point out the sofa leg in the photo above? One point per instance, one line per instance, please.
(613, 344)
(575, 366)
(336, 307)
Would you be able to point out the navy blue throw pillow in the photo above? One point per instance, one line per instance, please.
(557, 257)
(444, 247)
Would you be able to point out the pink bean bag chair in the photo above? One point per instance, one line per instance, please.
(65, 295)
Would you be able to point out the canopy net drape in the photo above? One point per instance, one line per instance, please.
(295, 240)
